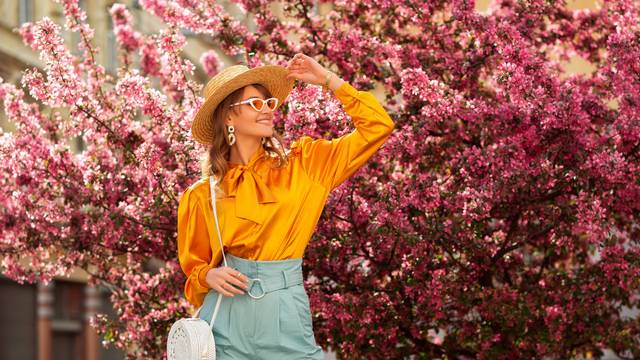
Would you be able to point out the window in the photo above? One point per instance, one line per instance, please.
(67, 322)
(17, 320)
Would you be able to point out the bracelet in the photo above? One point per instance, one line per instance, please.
(326, 80)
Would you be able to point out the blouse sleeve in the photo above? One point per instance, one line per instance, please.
(194, 249)
(331, 162)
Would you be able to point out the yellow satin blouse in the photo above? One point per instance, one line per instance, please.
(270, 213)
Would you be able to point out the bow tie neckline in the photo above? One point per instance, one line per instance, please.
(246, 182)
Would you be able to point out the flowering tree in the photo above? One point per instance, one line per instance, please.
(501, 215)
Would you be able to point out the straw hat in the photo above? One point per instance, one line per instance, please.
(273, 77)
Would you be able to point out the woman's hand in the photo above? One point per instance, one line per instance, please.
(222, 279)
(302, 67)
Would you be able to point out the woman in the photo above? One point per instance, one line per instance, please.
(268, 203)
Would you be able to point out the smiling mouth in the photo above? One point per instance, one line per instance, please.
(265, 122)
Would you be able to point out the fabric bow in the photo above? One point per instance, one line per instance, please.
(246, 184)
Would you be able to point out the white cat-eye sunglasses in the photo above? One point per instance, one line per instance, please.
(257, 104)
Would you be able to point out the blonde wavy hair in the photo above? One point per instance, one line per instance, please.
(215, 159)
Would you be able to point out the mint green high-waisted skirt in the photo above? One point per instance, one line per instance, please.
(272, 320)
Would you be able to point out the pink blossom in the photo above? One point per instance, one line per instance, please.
(503, 209)
(123, 27)
(211, 62)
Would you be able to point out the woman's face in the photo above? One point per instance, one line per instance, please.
(247, 122)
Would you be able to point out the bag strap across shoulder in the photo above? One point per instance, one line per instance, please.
(212, 183)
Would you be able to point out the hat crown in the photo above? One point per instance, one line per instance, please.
(222, 77)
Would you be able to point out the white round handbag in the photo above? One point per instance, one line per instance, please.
(192, 338)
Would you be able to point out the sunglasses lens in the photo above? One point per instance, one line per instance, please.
(256, 104)
(272, 103)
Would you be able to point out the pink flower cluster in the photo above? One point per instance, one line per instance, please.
(211, 63)
(497, 222)
(122, 20)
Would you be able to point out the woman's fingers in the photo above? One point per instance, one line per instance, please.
(229, 286)
(237, 278)
(235, 281)
(224, 279)
(299, 61)
(296, 68)
(305, 68)
(295, 63)
(219, 288)
(226, 289)
(294, 73)
(237, 274)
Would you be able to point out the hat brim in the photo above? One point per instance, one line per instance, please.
(273, 77)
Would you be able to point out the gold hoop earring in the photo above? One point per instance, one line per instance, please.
(231, 137)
